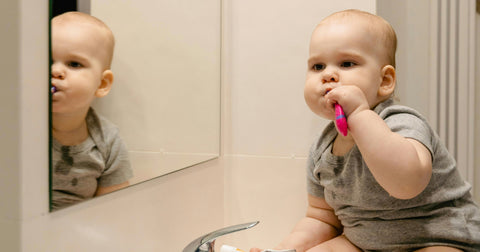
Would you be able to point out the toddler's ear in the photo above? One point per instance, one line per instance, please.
(389, 81)
(105, 85)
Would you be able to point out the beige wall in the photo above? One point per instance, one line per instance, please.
(411, 21)
(9, 124)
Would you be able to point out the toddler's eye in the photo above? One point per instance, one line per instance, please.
(348, 64)
(318, 67)
(74, 64)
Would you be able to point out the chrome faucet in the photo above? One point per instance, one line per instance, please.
(206, 243)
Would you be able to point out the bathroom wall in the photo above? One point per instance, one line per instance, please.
(9, 112)
(411, 21)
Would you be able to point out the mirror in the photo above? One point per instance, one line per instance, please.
(165, 97)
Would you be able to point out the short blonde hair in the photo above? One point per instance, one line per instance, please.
(377, 25)
(80, 17)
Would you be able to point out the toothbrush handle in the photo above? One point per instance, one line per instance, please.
(341, 120)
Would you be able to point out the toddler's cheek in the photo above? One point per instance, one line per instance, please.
(322, 109)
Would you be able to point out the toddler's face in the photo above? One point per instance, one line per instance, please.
(342, 53)
(77, 67)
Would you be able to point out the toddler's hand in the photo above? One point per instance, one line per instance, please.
(256, 250)
(351, 98)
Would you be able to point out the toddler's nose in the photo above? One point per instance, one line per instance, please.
(329, 75)
(58, 71)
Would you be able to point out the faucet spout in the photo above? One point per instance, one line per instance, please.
(206, 243)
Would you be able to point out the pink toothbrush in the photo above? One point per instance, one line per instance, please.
(340, 120)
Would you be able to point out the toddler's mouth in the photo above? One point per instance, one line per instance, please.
(328, 89)
(54, 87)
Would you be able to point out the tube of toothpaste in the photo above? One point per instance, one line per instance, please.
(226, 248)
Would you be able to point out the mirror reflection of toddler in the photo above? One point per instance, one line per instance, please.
(88, 156)
(390, 184)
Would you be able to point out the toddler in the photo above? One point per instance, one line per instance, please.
(389, 184)
(88, 156)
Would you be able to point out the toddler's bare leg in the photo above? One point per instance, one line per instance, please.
(438, 249)
(337, 244)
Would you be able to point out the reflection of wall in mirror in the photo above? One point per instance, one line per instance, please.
(165, 97)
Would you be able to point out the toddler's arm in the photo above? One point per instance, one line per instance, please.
(109, 189)
(320, 224)
(402, 166)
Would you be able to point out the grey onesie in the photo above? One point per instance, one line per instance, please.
(101, 160)
(443, 214)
